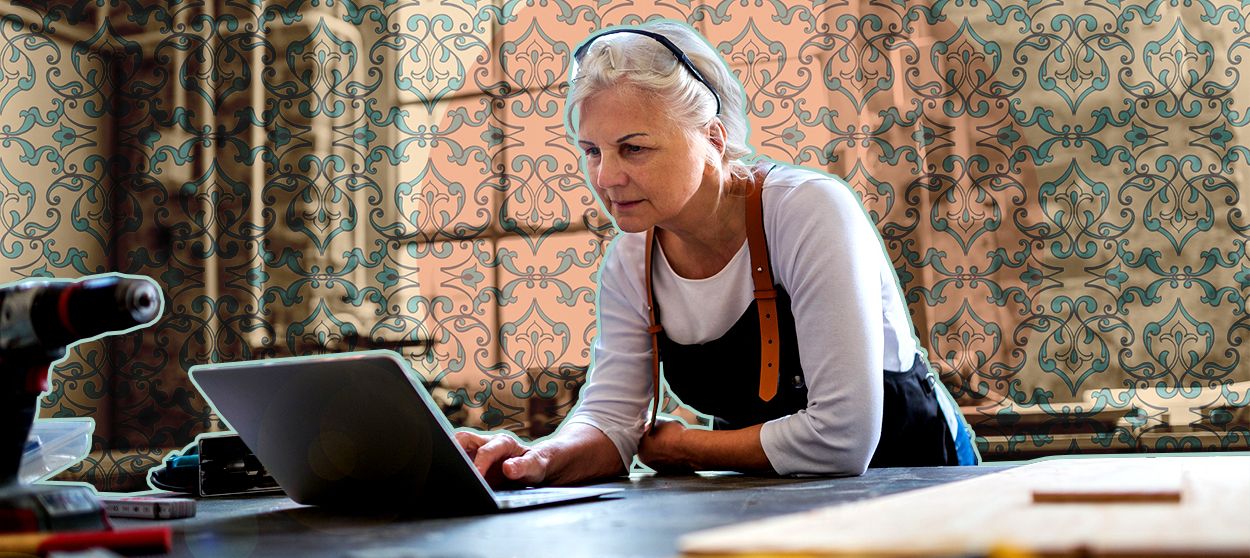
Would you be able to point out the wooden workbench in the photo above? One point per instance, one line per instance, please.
(906, 512)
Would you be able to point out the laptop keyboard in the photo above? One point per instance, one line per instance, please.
(535, 496)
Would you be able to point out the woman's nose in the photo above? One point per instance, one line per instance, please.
(611, 173)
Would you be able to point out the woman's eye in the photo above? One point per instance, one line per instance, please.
(592, 151)
(633, 148)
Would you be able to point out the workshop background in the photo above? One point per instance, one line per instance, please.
(1057, 183)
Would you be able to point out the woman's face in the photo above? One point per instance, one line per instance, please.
(645, 168)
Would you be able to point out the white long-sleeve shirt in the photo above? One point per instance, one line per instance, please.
(850, 319)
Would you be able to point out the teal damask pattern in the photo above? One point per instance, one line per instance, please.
(1056, 183)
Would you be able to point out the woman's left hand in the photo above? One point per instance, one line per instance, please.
(662, 449)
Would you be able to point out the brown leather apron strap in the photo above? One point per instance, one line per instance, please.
(765, 299)
(765, 294)
(654, 329)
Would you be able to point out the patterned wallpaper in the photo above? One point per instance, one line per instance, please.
(1057, 184)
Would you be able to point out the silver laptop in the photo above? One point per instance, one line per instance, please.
(355, 431)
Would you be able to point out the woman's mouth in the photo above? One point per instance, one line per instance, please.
(619, 205)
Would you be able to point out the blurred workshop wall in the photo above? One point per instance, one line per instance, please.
(1057, 184)
(57, 218)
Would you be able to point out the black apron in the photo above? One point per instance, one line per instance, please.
(722, 378)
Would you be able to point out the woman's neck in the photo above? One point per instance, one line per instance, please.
(702, 250)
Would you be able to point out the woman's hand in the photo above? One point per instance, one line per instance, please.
(503, 461)
(662, 449)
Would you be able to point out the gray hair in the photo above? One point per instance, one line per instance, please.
(645, 63)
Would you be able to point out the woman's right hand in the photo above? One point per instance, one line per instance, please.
(503, 461)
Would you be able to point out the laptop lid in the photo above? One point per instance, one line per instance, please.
(349, 430)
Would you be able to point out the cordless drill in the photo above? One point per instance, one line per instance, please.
(39, 320)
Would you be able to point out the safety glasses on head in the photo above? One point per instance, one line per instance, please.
(677, 52)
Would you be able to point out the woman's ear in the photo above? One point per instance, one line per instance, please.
(716, 136)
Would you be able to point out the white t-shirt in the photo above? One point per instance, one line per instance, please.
(851, 325)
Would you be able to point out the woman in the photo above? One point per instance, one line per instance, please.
(784, 320)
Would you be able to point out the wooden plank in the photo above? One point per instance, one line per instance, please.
(987, 514)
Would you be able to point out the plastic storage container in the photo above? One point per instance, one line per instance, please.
(53, 446)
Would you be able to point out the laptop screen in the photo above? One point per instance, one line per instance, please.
(350, 430)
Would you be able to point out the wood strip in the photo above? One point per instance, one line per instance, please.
(1059, 496)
